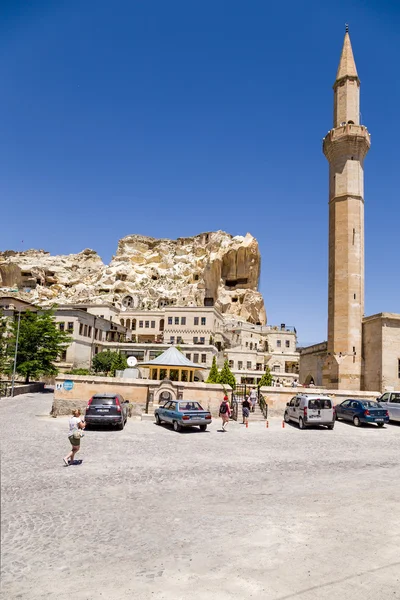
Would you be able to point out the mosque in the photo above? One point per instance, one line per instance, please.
(362, 353)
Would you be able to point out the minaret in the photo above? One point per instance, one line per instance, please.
(345, 147)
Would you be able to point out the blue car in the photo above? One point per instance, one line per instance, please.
(183, 413)
(362, 411)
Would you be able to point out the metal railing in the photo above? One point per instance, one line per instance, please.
(263, 405)
(234, 406)
(5, 389)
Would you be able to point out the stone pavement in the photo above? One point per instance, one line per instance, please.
(151, 514)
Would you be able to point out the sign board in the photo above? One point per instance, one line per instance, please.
(132, 360)
(68, 385)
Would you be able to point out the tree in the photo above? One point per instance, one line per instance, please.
(266, 379)
(109, 362)
(40, 343)
(214, 373)
(102, 361)
(226, 376)
(118, 363)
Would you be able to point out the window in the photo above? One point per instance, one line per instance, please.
(249, 364)
(153, 324)
(240, 365)
(172, 339)
(278, 343)
(231, 364)
(183, 320)
(247, 344)
(398, 368)
(204, 358)
(63, 355)
(61, 326)
(89, 330)
(195, 358)
(276, 368)
(287, 343)
(179, 340)
(147, 324)
(251, 345)
(169, 320)
(176, 320)
(141, 324)
(202, 340)
(85, 331)
(203, 320)
(70, 326)
(189, 356)
(196, 320)
(80, 329)
(195, 340)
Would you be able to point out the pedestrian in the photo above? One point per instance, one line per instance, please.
(74, 435)
(74, 420)
(253, 399)
(225, 412)
(245, 410)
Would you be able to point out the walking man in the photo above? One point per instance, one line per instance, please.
(225, 412)
(253, 399)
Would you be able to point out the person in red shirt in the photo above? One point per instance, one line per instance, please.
(225, 412)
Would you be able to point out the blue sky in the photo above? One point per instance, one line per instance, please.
(172, 118)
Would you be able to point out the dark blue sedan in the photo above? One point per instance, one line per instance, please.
(362, 411)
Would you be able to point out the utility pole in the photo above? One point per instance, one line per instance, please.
(15, 356)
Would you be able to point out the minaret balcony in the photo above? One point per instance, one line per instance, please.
(348, 139)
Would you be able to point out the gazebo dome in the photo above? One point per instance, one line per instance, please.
(172, 364)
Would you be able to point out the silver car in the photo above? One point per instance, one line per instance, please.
(309, 409)
(391, 401)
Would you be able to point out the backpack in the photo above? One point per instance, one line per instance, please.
(223, 408)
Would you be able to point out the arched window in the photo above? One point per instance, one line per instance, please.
(122, 321)
(133, 324)
(128, 323)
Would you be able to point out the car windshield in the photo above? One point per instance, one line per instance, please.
(101, 400)
(190, 406)
(319, 403)
(370, 404)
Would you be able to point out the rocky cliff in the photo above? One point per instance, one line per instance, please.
(205, 270)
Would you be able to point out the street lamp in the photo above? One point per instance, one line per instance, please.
(15, 356)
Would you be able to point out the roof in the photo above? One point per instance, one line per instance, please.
(171, 358)
(347, 65)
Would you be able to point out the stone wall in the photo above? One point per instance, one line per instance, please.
(311, 363)
(74, 391)
(277, 398)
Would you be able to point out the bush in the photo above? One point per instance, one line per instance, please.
(266, 379)
(214, 374)
(78, 372)
(226, 376)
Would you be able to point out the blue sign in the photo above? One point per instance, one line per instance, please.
(68, 385)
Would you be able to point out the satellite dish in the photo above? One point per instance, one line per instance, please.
(132, 360)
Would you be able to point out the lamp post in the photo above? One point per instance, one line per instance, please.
(15, 356)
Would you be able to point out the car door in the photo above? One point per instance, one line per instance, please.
(343, 410)
(163, 411)
(296, 409)
(291, 407)
(384, 400)
(354, 409)
(393, 406)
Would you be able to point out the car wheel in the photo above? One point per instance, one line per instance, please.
(356, 421)
(331, 426)
(301, 424)
(286, 417)
(158, 420)
(380, 424)
(203, 427)
(176, 425)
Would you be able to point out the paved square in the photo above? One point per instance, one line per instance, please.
(152, 514)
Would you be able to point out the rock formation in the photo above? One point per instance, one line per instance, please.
(210, 269)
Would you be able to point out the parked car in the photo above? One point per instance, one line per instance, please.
(310, 409)
(183, 413)
(362, 411)
(105, 409)
(391, 401)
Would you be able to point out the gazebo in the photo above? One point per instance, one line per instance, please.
(173, 365)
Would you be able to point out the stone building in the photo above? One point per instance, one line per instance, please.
(361, 353)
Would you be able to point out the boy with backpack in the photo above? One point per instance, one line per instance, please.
(225, 412)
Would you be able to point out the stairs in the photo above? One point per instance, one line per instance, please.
(257, 415)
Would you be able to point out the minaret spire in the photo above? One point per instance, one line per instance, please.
(347, 65)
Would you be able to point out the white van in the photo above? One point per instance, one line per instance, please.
(310, 409)
(391, 401)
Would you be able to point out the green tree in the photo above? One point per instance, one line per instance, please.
(118, 363)
(226, 376)
(214, 374)
(102, 361)
(40, 343)
(266, 379)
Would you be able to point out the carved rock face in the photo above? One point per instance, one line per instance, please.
(205, 270)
